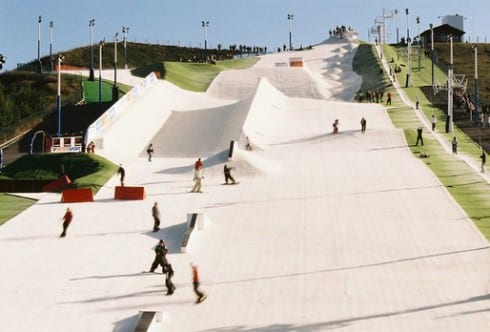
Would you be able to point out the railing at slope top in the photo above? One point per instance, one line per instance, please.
(116, 110)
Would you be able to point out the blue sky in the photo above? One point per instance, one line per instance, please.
(178, 22)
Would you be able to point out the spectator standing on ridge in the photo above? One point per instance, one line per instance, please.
(195, 282)
(388, 98)
(419, 137)
(121, 173)
(226, 171)
(454, 143)
(160, 256)
(155, 211)
(67, 218)
(434, 122)
(149, 150)
(363, 125)
(483, 158)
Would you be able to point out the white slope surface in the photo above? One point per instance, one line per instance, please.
(346, 231)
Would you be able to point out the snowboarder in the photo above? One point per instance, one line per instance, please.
(335, 126)
(434, 122)
(160, 256)
(155, 211)
(197, 181)
(195, 282)
(169, 273)
(149, 150)
(121, 173)
(67, 218)
(363, 125)
(228, 176)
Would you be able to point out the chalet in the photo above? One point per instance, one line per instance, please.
(441, 35)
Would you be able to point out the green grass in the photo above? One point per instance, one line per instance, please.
(469, 190)
(91, 91)
(13, 205)
(84, 170)
(198, 76)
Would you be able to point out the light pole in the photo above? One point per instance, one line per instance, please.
(449, 119)
(101, 44)
(205, 25)
(432, 51)
(51, 46)
(115, 90)
(408, 83)
(58, 95)
(475, 114)
(396, 22)
(91, 25)
(290, 18)
(40, 66)
(125, 31)
(417, 19)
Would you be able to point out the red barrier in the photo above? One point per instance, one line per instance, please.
(58, 184)
(136, 193)
(77, 195)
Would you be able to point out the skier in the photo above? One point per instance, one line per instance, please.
(155, 211)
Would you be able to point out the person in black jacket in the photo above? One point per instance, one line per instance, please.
(228, 176)
(122, 173)
(160, 256)
(169, 273)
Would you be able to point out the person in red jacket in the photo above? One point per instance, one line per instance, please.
(195, 281)
(67, 218)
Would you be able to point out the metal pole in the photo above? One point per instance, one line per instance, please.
(91, 24)
(432, 50)
(101, 44)
(115, 91)
(40, 66)
(51, 65)
(408, 84)
(125, 33)
(396, 20)
(290, 18)
(475, 117)
(58, 95)
(205, 25)
(449, 122)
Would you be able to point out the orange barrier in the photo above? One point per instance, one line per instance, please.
(136, 193)
(77, 195)
(57, 184)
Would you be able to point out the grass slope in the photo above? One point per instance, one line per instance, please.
(469, 190)
(12, 206)
(84, 170)
(198, 76)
